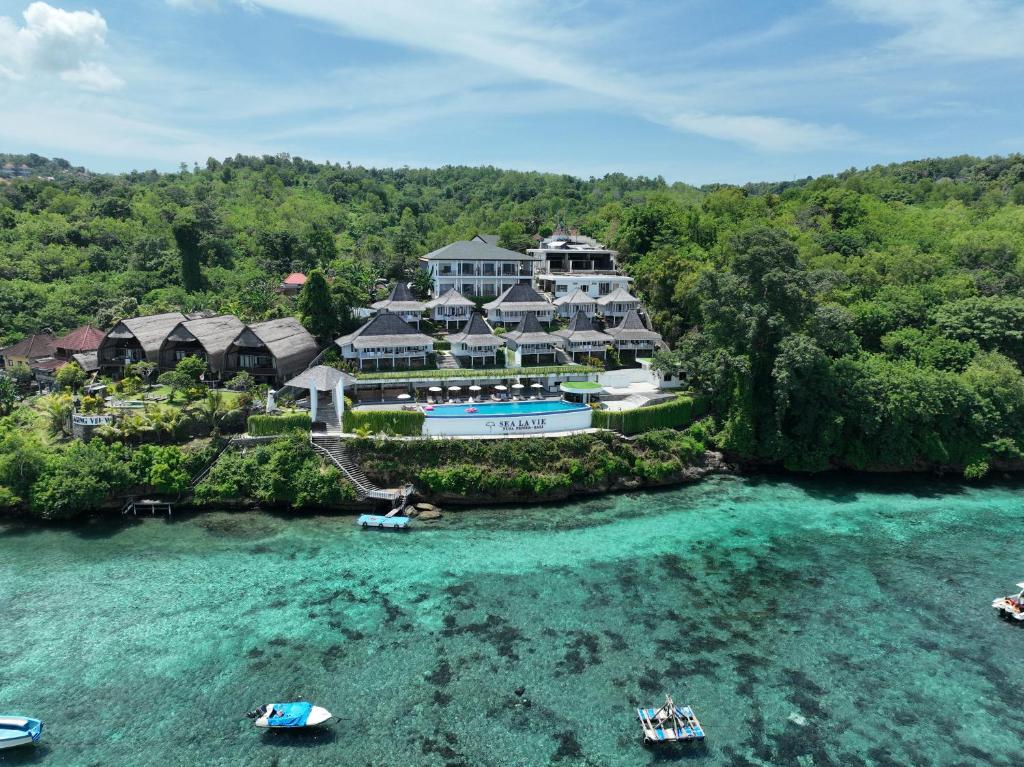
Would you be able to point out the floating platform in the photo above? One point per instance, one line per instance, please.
(376, 520)
(669, 724)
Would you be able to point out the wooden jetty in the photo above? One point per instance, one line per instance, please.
(669, 724)
(133, 505)
(388, 521)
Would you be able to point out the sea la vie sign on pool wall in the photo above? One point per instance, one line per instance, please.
(506, 418)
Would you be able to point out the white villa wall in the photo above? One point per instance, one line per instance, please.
(486, 424)
(564, 284)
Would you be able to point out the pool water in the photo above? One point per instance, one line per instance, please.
(819, 623)
(525, 407)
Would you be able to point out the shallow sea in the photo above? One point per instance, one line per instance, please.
(807, 623)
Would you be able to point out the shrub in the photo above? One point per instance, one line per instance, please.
(672, 415)
(400, 422)
(269, 425)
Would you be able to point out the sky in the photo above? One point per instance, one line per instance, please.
(698, 91)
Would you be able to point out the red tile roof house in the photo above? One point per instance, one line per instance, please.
(28, 350)
(83, 339)
(292, 284)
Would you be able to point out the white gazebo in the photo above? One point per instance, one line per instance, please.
(323, 380)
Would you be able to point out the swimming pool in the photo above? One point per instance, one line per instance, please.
(527, 407)
(505, 418)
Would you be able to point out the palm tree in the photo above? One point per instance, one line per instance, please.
(57, 409)
(212, 407)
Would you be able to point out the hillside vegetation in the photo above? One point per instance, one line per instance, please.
(872, 319)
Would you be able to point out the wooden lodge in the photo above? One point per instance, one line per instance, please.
(207, 338)
(271, 351)
(134, 340)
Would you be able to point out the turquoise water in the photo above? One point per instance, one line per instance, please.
(807, 624)
(528, 407)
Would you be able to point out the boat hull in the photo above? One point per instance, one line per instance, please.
(16, 731)
(317, 715)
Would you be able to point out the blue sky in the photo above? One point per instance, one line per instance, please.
(693, 90)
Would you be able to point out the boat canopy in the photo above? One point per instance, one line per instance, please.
(289, 714)
(1020, 585)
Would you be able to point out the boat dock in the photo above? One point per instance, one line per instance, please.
(132, 506)
(669, 724)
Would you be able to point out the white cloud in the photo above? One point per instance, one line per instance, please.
(521, 38)
(965, 29)
(53, 41)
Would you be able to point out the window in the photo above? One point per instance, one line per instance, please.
(489, 270)
(562, 289)
(467, 268)
(251, 361)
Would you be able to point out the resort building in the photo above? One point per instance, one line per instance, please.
(582, 340)
(531, 343)
(632, 338)
(28, 351)
(271, 351)
(516, 303)
(617, 304)
(292, 284)
(578, 301)
(451, 308)
(573, 252)
(386, 340)
(594, 284)
(477, 268)
(402, 302)
(80, 340)
(207, 338)
(134, 340)
(477, 343)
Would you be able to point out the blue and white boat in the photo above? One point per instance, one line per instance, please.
(287, 716)
(19, 731)
(376, 520)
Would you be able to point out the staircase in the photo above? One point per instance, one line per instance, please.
(447, 361)
(331, 445)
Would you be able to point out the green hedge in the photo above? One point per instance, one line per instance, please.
(668, 415)
(269, 425)
(400, 422)
(446, 373)
(440, 346)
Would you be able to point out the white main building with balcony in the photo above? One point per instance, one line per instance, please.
(477, 267)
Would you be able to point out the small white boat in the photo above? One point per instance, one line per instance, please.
(289, 715)
(19, 731)
(1011, 607)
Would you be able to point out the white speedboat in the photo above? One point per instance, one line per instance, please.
(289, 715)
(19, 731)
(1012, 607)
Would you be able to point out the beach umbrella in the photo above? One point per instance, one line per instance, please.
(474, 387)
(536, 386)
(518, 386)
(434, 389)
(404, 396)
(454, 388)
(501, 387)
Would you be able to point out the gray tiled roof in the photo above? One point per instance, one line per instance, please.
(620, 295)
(321, 377)
(450, 297)
(632, 328)
(476, 332)
(529, 331)
(576, 297)
(400, 299)
(520, 298)
(386, 329)
(581, 330)
(476, 250)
